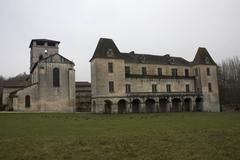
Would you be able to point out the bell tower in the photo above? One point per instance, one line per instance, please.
(42, 48)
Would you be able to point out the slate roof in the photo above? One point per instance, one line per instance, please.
(42, 41)
(203, 57)
(15, 83)
(153, 59)
(105, 44)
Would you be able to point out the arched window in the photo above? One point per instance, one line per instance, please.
(56, 77)
(27, 101)
(40, 57)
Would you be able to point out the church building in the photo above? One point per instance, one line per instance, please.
(52, 81)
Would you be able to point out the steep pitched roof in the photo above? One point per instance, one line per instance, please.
(43, 41)
(106, 48)
(105, 44)
(203, 57)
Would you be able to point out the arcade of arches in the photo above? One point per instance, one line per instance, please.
(150, 105)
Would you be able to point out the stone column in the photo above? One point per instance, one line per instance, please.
(114, 108)
(157, 109)
(192, 105)
(180, 106)
(142, 107)
(169, 104)
(129, 107)
(15, 104)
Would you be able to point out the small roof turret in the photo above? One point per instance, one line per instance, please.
(106, 48)
(203, 57)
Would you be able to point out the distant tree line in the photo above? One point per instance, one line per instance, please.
(229, 82)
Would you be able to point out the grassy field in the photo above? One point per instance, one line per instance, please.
(39, 136)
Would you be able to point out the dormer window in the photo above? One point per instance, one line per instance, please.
(110, 53)
(141, 59)
(207, 61)
(171, 61)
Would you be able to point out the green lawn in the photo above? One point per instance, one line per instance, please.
(33, 136)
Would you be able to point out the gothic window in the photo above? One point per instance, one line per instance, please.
(110, 67)
(27, 101)
(56, 77)
(128, 88)
(111, 86)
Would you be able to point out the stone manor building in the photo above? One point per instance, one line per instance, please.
(51, 84)
(131, 82)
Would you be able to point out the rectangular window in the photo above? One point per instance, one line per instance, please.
(127, 70)
(209, 87)
(168, 88)
(144, 71)
(174, 72)
(110, 67)
(187, 88)
(128, 88)
(111, 86)
(196, 72)
(159, 71)
(208, 71)
(154, 88)
(186, 73)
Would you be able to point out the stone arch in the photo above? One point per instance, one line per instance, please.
(122, 106)
(107, 106)
(136, 103)
(176, 105)
(187, 105)
(163, 105)
(150, 105)
(199, 104)
(27, 101)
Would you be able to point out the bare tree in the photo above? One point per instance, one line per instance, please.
(229, 81)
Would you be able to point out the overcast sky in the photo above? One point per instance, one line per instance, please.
(175, 27)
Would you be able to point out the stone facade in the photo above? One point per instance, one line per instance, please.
(52, 77)
(130, 82)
